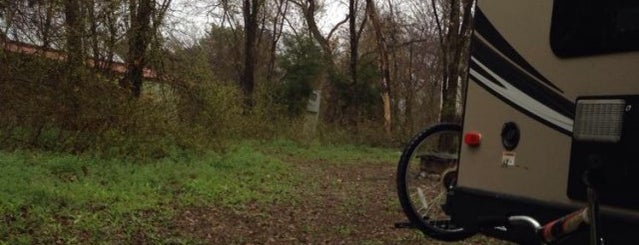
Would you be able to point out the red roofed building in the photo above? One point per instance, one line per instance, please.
(30, 49)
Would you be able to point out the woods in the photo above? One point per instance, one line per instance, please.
(121, 77)
(189, 122)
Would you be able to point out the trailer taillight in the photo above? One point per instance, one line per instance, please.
(472, 139)
(604, 149)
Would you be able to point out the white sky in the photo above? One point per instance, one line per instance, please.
(336, 11)
(192, 18)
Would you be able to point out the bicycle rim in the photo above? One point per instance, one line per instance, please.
(426, 171)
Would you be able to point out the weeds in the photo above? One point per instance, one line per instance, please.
(46, 197)
(90, 165)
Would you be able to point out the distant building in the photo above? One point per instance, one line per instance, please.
(115, 66)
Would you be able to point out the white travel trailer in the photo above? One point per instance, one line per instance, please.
(550, 121)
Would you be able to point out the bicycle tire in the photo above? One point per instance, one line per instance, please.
(428, 227)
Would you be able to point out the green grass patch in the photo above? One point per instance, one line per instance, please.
(340, 154)
(50, 198)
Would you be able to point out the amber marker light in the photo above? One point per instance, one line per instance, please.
(472, 139)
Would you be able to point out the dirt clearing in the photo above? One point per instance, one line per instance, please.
(353, 203)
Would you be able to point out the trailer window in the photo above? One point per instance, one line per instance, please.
(590, 27)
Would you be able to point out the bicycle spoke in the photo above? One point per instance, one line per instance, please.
(427, 171)
(422, 198)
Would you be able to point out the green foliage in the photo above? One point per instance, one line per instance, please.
(195, 109)
(79, 199)
(242, 176)
(191, 63)
(94, 115)
(63, 198)
(361, 100)
(212, 110)
(302, 65)
(224, 49)
(363, 132)
(209, 101)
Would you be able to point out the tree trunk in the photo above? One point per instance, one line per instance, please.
(93, 28)
(308, 8)
(46, 29)
(454, 44)
(351, 105)
(250, 11)
(278, 30)
(451, 84)
(352, 27)
(75, 61)
(455, 52)
(112, 26)
(139, 39)
(410, 94)
(384, 64)
(74, 34)
(466, 31)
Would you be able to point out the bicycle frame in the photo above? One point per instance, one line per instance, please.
(521, 84)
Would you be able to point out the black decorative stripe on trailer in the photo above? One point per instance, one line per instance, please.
(505, 76)
(486, 29)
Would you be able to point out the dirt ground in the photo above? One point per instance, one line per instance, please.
(337, 204)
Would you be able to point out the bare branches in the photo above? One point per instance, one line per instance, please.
(330, 33)
(251, 9)
(395, 45)
(440, 32)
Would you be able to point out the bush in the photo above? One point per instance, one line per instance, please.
(46, 108)
(365, 133)
(43, 109)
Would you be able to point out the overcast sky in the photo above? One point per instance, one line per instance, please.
(192, 18)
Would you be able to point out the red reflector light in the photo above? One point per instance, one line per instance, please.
(472, 139)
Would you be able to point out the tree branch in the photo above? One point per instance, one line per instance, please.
(439, 25)
(330, 34)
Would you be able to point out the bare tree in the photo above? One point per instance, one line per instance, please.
(250, 11)
(74, 24)
(384, 65)
(277, 29)
(46, 28)
(145, 19)
(454, 28)
(93, 23)
(139, 37)
(354, 35)
(113, 32)
(309, 8)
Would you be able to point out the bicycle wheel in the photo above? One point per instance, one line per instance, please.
(426, 171)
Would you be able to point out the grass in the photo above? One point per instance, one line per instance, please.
(52, 198)
(63, 198)
(340, 154)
